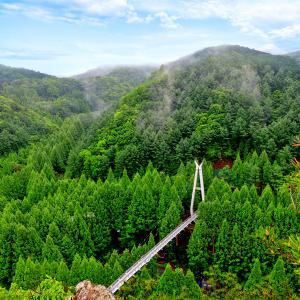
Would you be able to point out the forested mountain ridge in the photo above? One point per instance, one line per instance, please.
(53, 99)
(9, 74)
(96, 194)
(105, 86)
(207, 105)
(32, 105)
(295, 55)
(235, 67)
(48, 95)
(137, 72)
(19, 126)
(63, 97)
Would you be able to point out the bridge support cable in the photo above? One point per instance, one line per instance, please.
(159, 246)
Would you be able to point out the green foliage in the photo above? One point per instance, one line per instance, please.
(279, 281)
(48, 289)
(294, 245)
(223, 247)
(141, 212)
(175, 283)
(107, 90)
(193, 289)
(255, 278)
(169, 283)
(170, 220)
(20, 126)
(197, 249)
(9, 74)
(55, 96)
(50, 251)
(81, 191)
(211, 114)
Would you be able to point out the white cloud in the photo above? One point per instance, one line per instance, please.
(251, 17)
(38, 13)
(256, 17)
(154, 6)
(287, 32)
(104, 7)
(270, 48)
(42, 14)
(167, 21)
(29, 54)
(30, 11)
(133, 17)
(11, 6)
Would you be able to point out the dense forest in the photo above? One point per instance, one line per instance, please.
(84, 197)
(34, 104)
(104, 87)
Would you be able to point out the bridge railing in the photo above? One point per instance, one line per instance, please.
(150, 254)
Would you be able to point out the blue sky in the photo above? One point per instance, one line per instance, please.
(66, 37)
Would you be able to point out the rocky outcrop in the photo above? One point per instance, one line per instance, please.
(85, 290)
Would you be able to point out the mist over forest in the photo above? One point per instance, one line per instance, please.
(97, 168)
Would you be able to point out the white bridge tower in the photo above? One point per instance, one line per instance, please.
(198, 172)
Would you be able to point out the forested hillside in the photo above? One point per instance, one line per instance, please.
(93, 196)
(132, 73)
(50, 95)
(295, 55)
(210, 104)
(8, 74)
(20, 125)
(32, 103)
(104, 87)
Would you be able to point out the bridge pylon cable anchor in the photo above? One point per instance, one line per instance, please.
(198, 173)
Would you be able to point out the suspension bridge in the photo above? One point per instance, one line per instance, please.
(160, 245)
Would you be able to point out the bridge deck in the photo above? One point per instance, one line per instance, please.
(150, 254)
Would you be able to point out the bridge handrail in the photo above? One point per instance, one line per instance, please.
(151, 253)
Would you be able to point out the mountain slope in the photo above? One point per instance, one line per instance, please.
(105, 86)
(234, 67)
(295, 55)
(136, 72)
(20, 126)
(29, 100)
(212, 103)
(9, 74)
(55, 222)
(49, 95)
(32, 105)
